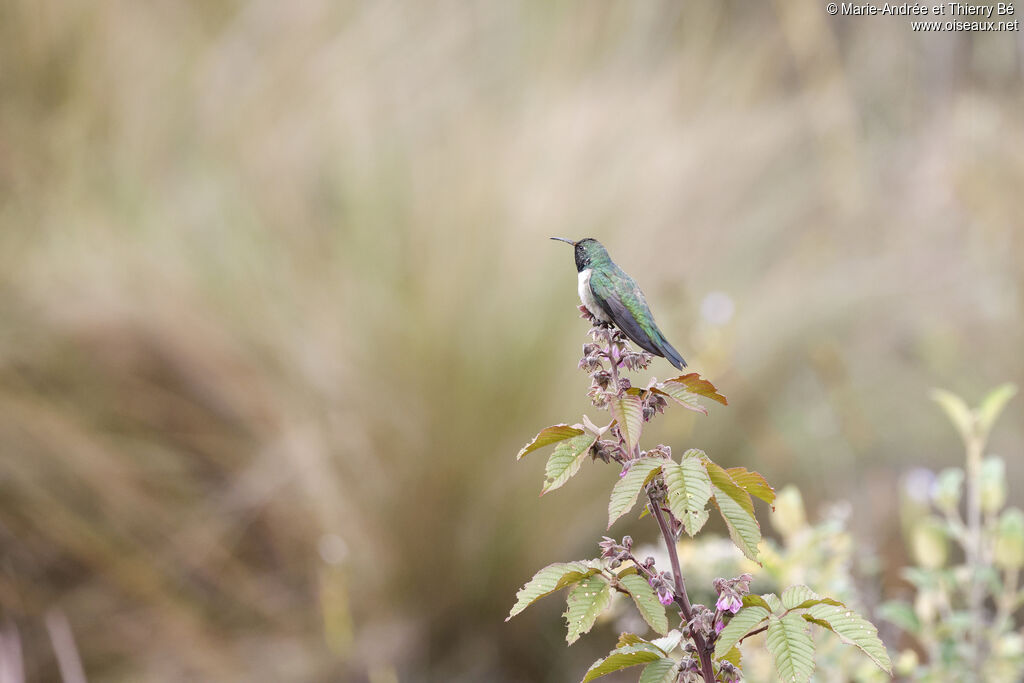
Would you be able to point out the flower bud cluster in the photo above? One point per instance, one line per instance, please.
(615, 551)
(702, 623)
(657, 491)
(690, 668)
(659, 451)
(653, 404)
(610, 547)
(617, 355)
(635, 360)
(731, 591)
(728, 673)
(661, 582)
(598, 397)
(607, 451)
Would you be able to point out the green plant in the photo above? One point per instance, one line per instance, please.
(705, 645)
(962, 616)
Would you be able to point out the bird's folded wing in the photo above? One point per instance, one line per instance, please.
(620, 313)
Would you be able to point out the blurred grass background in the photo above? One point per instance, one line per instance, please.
(277, 305)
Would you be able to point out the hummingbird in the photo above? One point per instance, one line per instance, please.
(614, 298)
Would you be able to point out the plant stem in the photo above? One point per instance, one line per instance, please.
(679, 585)
(753, 633)
(975, 446)
(682, 599)
(611, 358)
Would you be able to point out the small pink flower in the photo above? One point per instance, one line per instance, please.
(729, 603)
(665, 597)
(719, 625)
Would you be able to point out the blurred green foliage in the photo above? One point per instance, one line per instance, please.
(963, 613)
(274, 282)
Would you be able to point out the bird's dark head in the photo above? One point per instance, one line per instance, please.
(587, 251)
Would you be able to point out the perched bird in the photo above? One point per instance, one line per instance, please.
(613, 297)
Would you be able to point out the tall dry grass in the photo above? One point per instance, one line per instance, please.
(276, 299)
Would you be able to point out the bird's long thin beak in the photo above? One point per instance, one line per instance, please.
(562, 239)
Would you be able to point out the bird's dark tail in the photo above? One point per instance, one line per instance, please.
(671, 355)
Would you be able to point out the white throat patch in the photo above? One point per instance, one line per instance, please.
(587, 296)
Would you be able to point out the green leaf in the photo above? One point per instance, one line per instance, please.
(646, 601)
(1009, 543)
(957, 412)
(566, 460)
(669, 642)
(680, 396)
(791, 646)
(629, 639)
(660, 671)
(737, 510)
(901, 614)
(623, 658)
(689, 489)
(628, 487)
(629, 413)
(548, 580)
(742, 623)
(586, 601)
(774, 604)
(992, 406)
(753, 483)
(854, 630)
(723, 481)
(794, 595)
(802, 597)
(548, 436)
(993, 484)
(757, 600)
(694, 384)
(733, 656)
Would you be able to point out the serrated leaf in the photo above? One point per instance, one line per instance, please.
(957, 412)
(689, 489)
(629, 639)
(660, 671)
(854, 630)
(695, 384)
(628, 487)
(774, 604)
(742, 623)
(565, 462)
(629, 413)
(753, 483)
(817, 622)
(646, 601)
(791, 647)
(802, 597)
(992, 406)
(548, 580)
(586, 601)
(722, 480)
(668, 642)
(737, 510)
(807, 604)
(757, 600)
(680, 396)
(548, 436)
(622, 658)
